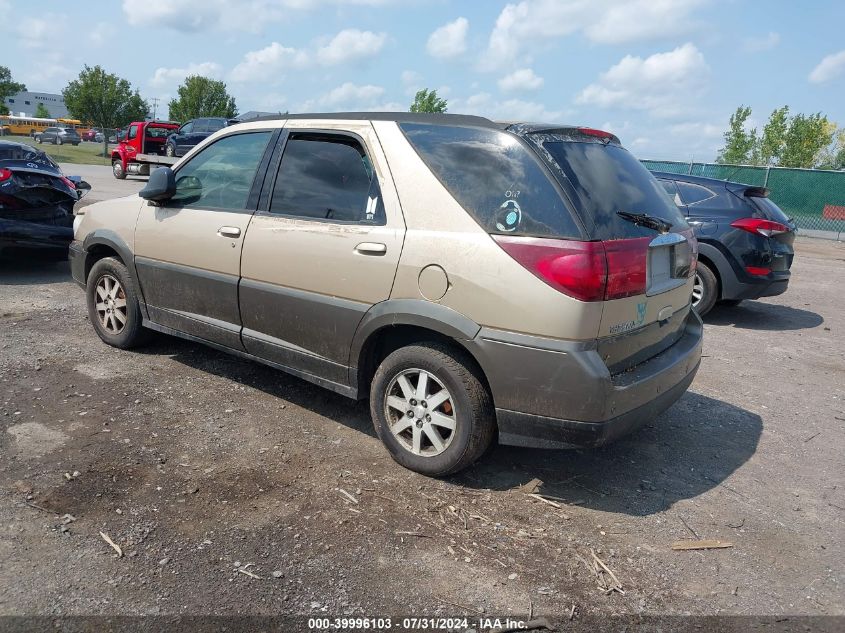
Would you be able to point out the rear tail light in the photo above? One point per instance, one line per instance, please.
(766, 228)
(757, 270)
(588, 271)
(69, 182)
(5, 174)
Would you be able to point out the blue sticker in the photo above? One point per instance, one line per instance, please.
(510, 215)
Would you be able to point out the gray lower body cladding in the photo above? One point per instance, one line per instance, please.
(562, 394)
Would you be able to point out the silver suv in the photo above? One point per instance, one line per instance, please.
(472, 279)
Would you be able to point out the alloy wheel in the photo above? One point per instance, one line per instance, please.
(697, 290)
(420, 412)
(111, 304)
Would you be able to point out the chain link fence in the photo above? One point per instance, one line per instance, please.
(813, 198)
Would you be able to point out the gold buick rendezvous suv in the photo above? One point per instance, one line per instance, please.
(472, 279)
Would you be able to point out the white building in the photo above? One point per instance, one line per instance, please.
(24, 104)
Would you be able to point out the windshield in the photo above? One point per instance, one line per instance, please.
(606, 179)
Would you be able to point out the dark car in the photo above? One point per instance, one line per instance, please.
(193, 133)
(745, 240)
(58, 135)
(36, 200)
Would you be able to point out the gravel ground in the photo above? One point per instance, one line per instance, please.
(231, 488)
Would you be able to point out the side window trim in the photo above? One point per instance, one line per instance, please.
(260, 172)
(267, 192)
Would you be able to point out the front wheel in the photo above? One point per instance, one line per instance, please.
(705, 289)
(58, 140)
(117, 170)
(113, 304)
(431, 409)
(169, 150)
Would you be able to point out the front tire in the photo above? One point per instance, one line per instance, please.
(169, 150)
(705, 290)
(58, 141)
(117, 170)
(113, 307)
(431, 409)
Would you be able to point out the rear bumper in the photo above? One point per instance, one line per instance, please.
(772, 285)
(21, 234)
(561, 393)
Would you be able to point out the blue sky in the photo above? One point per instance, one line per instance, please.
(664, 75)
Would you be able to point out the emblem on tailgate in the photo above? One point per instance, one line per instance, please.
(630, 325)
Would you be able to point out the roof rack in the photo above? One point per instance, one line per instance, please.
(405, 117)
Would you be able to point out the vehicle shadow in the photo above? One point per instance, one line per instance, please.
(690, 449)
(27, 269)
(276, 383)
(757, 315)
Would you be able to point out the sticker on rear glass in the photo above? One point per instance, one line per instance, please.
(510, 215)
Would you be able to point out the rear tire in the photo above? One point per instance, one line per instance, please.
(444, 435)
(113, 307)
(705, 290)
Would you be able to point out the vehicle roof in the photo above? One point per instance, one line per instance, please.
(698, 180)
(16, 145)
(399, 117)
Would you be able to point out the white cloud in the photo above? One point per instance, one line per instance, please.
(411, 77)
(450, 40)
(267, 63)
(523, 79)
(522, 25)
(484, 104)
(829, 68)
(762, 43)
(244, 15)
(348, 96)
(172, 76)
(664, 83)
(35, 32)
(351, 45)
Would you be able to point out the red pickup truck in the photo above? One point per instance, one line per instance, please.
(142, 148)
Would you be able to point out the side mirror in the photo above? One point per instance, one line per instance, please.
(161, 186)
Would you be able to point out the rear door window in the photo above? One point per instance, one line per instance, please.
(327, 177)
(605, 179)
(215, 124)
(496, 179)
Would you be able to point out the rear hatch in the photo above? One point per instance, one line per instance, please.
(649, 249)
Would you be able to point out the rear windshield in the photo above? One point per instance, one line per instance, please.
(770, 209)
(21, 152)
(497, 179)
(606, 178)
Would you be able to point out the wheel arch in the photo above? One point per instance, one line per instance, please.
(396, 323)
(103, 243)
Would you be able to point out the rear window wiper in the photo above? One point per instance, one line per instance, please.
(648, 221)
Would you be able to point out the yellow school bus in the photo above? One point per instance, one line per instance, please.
(29, 126)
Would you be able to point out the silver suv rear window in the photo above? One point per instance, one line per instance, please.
(605, 178)
(496, 178)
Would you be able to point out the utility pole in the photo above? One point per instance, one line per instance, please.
(155, 106)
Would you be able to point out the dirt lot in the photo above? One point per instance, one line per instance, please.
(226, 484)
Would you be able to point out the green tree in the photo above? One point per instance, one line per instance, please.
(774, 136)
(806, 140)
(8, 87)
(42, 112)
(428, 101)
(200, 96)
(739, 144)
(104, 100)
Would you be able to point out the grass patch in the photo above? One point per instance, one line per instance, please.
(86, 153)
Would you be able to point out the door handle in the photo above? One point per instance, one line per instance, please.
(371, 248)
(229, 231)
